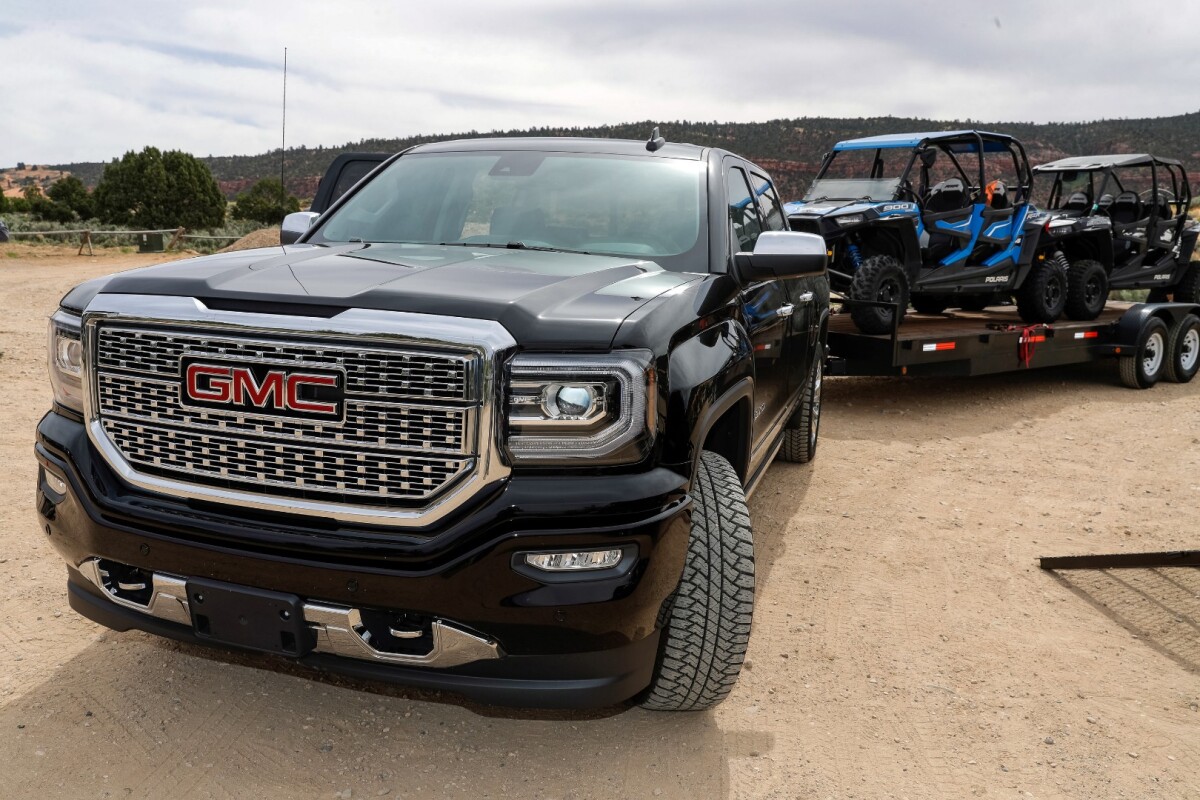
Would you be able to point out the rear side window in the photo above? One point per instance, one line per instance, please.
(743, 211)
(768, 204)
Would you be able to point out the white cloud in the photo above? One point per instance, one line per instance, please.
(98, 79)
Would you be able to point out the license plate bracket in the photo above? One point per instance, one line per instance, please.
(257, 619)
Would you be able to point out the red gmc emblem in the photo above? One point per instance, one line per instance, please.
(272, 389)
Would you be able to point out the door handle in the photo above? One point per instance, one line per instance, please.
(785, 311)
(805, 298)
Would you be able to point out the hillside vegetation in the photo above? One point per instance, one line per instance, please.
(790, 148)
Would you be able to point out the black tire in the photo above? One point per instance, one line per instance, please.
(1087, 289)
(976, 302)
(1043, 295)
(800, 443)
(1148, 363)
(705, 637)
(929, 303)
(1188, 288)
(1183, 350)
(879, 278)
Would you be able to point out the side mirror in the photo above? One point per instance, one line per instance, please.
(782, 254)
(296, 225)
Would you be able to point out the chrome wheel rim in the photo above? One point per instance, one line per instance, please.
(1152, 357)
(1189, 349)
(816, 403)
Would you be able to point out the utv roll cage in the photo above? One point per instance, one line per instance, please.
(1103, 200)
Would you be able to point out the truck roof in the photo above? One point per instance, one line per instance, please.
(993, 142)
(565, 144)
(1084, 163)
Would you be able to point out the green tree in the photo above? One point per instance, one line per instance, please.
(71, 192)
(265, 202)
(152, 189)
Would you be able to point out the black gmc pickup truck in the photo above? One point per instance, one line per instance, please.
(487, 427)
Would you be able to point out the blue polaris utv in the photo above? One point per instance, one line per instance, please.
(938, 219)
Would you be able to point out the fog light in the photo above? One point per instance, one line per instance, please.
(56, 484)
(574, 562)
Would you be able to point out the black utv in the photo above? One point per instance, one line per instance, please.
(937, 219)
(1120, 222)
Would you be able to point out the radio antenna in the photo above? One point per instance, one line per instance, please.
(283, 138)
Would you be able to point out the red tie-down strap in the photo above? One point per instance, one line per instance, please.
(1031, 335)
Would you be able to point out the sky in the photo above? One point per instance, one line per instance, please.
(88, 81)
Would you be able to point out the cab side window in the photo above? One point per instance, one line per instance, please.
(744, 220)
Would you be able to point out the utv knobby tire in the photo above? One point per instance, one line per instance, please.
(800, 443)
(1183, 350)
(1148, 363)
(1043, 295)
(1087, 289)
(929, 303)
(704, 639)
(1188, 288)
(879, 278)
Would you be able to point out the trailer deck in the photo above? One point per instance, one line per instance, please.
(991, 341)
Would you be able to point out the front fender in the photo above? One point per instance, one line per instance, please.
(709, 375)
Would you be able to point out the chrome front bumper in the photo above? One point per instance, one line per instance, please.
(338, 629)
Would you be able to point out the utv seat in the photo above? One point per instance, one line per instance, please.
(949, 195)
(997, 193)
(1125, 209)
(1077, 203)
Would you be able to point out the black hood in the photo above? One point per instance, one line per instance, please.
(544, 299)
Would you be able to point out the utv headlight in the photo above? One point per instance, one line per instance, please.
(66, 361)
(849, 219)
(569, 409)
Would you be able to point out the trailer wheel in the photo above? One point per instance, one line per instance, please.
(1087, 289)
(881, 279)
(1043, 295)
(929, 303)
(1146, 366)
(800, 442)
(1183, 350)
(705, 637)
(1188, 288)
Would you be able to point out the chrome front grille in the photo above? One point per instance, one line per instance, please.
(370, 371)
(409, 431)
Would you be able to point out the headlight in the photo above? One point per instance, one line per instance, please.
(66, 361)
(849, 219)
(566, 409)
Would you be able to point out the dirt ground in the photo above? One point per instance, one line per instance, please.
(905, 643)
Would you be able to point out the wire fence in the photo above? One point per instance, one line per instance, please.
(87, 236)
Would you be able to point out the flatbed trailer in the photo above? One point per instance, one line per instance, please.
(1151, 341)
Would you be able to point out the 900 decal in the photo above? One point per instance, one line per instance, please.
(273, 389)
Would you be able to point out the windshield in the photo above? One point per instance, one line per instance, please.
(860, 174)
(614, 205)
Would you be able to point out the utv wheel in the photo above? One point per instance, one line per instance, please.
(1183, 350)
(1148, 363)
(929, 303)
(880, 278)
(800, 442)
(1087, 289)
(1044, 294)
(704, 639)
(1188, 288)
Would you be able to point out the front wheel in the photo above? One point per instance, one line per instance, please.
(705, 637)
(1043, 295)
(800, 443)
(880, 279)
(1087, 289)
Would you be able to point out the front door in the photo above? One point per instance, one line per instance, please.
(766, 309)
